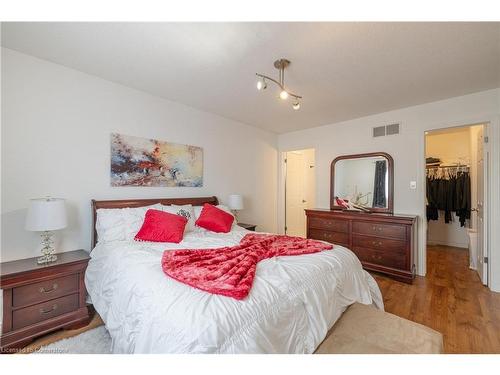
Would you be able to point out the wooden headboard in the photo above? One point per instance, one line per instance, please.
(141, 203)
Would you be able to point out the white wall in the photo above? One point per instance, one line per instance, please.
(451, 147)
(55, 141)
(407, 149)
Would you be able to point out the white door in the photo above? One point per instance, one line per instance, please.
(482, 165)
(295, 195)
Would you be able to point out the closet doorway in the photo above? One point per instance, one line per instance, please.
(299, 190)
(456, 196)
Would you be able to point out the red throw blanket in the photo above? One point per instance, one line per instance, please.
(230, 271)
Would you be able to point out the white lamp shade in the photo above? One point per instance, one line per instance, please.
(235, 202)
(46, 214)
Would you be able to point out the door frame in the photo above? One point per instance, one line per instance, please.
(490, 176)
(282, 185)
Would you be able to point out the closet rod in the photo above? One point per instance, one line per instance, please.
(446, 166)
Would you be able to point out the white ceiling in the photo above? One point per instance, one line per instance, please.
(343, 70)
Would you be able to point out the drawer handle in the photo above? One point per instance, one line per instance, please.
(45, 312)
(380, 229)
(47, 291)
(376, 243)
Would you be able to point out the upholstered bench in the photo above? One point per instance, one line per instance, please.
(363, 329)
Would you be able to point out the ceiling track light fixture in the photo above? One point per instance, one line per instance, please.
(280, 64)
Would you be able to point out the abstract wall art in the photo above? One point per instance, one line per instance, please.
(137, 161)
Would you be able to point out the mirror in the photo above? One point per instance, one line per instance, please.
(362, 182)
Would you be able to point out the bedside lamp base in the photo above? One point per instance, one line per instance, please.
(235, 214)
(46, 259)
(47, 248)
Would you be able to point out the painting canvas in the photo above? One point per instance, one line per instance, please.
(137, 161)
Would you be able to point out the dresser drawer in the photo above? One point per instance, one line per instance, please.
(380, 257)
(383, 242)
(378, 229)
(380, 244)
(329, 224)
(43, 311)
(44, 290)
(333, 237)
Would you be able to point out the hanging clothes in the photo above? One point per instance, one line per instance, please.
(432, 199)
(463, 198)
(448, 190)
(379, 198)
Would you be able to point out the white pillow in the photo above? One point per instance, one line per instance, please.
(197, 212)
(110, 225)
(186, 211)
(120, 224)
(134, 217)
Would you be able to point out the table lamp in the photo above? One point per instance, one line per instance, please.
(235, 204)
(46, 215)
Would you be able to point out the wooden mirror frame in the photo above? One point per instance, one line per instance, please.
(390, 169)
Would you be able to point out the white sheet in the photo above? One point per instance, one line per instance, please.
(294, 300)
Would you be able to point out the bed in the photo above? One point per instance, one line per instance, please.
(293, 303)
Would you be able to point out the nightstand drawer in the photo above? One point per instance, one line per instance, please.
(44, 290)
(43, 311)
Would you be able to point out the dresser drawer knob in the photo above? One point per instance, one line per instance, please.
(376, 243)
(47, 291)
(375, 228)
(45, 312)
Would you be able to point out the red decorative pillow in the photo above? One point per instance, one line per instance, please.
(215, 219)
(159, 226)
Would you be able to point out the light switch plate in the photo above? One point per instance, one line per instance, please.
(413, 185)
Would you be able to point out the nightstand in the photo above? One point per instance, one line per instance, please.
(248, 226)
(38, 299)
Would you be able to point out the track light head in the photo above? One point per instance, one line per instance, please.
(283, 95)
(296, 105)
(261, 84)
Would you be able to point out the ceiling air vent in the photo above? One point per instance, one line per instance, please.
(381, 131)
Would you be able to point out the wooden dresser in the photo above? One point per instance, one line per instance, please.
(384, 243)
(38, 299)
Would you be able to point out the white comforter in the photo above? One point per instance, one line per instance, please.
(294, 300)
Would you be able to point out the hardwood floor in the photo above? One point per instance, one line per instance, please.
(451, 300)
